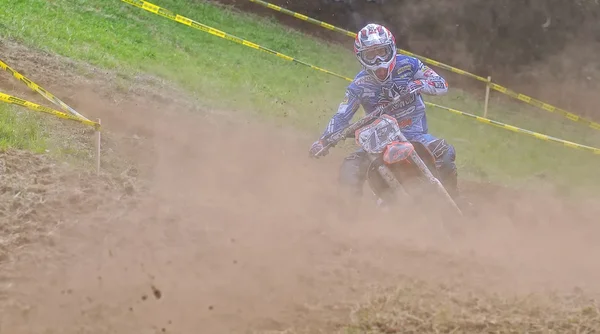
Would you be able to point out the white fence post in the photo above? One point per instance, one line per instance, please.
(98, 140)
(487, 96)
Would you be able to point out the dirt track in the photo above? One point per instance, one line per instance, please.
(234, 229)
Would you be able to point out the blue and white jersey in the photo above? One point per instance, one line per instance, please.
(371, 94)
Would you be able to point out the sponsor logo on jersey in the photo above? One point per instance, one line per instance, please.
(389, 93)
(405, 68)
(405, 123)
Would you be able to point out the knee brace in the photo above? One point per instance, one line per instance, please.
(443, 152)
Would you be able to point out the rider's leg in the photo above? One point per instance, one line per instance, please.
(351, 179)
(353, 172)
(445, 157)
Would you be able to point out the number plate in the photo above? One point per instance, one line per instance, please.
(374, 137)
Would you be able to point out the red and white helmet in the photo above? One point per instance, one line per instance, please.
(375, 48)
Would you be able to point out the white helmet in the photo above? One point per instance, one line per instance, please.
(375, 48)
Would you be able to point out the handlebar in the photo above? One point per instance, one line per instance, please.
(333, 138)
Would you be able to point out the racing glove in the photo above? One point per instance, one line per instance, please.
(414, 86)
(316, 148)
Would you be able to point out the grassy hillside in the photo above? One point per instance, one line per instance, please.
(21, 129)
(115, 35)
(40, 133)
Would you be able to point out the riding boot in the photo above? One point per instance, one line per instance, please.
(449, 179)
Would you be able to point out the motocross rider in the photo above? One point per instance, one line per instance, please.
(385, 75)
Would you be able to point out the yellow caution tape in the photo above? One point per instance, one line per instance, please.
(353, 35)
(305, 18)
(36, 107)
(191, 23)
(545, 106)
(168, 14)
(501, 89)
(35, 87)
(519, 130)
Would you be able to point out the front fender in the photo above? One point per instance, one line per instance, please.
(397, 151)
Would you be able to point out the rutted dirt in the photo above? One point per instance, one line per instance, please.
(37, 195)
(236, 230)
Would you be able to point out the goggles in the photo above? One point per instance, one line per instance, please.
(377, 55)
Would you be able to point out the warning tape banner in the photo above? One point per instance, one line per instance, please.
(36, 107)
(168, 14)
(35, 87)
(545, 106)
(499, 88)
(353, 35)
(519, 130)
(191, 23)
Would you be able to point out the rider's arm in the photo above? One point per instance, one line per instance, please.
(345, 112)
(432, 83)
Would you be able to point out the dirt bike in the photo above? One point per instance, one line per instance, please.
(398, 167)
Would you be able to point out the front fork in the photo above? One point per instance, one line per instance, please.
(398, 189)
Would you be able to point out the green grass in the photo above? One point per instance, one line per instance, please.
(223, 74)
(40, 133)
(21, 129)
(497, 154)
(116, 35)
